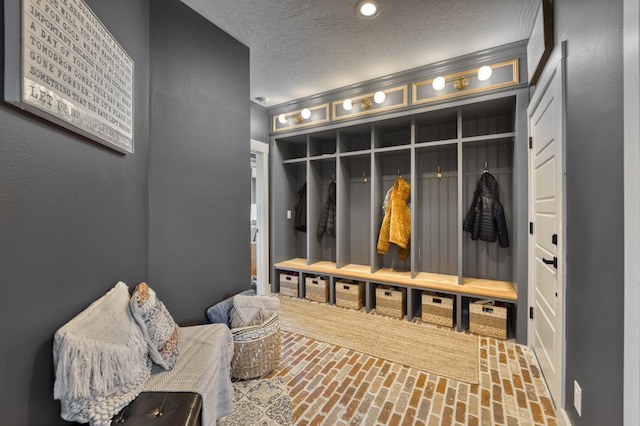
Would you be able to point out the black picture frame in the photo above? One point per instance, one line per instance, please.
(541, 41)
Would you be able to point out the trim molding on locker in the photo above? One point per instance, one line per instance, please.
(509, 79)
(339, 113)
(321, 116)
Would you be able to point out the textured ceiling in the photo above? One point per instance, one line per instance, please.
(302, 47)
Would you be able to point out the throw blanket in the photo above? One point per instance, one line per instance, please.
(100, 360)
(204, 367)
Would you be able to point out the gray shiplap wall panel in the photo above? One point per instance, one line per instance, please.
(436, 232)
(483, 259)
(488, 117)
(291, 243)
(436, 126)
(358, 209)
(322, 173)
(392, 163)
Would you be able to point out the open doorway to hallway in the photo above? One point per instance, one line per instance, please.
(254, 222)
(259, 217)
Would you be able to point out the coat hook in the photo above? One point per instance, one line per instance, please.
(333, 177)
(486, 167)
(398, 172)
(364, 178)
(439, 174)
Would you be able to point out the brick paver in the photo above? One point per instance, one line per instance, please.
(330, 385)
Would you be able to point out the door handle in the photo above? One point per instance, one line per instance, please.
(553, 262)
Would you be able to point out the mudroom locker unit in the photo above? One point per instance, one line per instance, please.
(441, 151)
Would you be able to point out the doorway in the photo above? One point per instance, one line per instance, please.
(260, 217)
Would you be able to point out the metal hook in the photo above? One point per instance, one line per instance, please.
(364, 178)
(486, 167)
(439, 174)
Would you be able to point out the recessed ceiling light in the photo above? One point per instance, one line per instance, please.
(368, 9)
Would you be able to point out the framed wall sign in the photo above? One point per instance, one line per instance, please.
(541, 41)
(62, 64)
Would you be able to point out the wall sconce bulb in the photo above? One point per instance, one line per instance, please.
(484, 73)
(438, 83)
(379, 97)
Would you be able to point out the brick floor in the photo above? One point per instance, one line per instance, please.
(331, 385)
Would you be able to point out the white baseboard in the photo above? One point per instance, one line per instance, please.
(562, 418)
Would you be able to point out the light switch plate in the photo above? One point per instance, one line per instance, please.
(577, 397)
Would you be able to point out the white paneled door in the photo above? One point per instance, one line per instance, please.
(546, 262)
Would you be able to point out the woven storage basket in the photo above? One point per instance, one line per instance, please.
(437, 309)
(349, 294)
(390, 301)
(488, 320)
(316, 289)
(289, 285)
(256, 349)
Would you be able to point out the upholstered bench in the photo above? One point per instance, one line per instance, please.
(161, 409)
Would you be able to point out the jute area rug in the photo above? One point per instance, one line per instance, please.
(443, 352)
(264, 402)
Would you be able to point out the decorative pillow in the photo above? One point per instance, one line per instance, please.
(100, 360)
(236, 319)
(219, 313)
(160, 330)
(246, 308)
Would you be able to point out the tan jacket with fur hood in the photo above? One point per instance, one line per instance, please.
(396, 225)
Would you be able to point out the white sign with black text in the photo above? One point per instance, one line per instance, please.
(73, 72)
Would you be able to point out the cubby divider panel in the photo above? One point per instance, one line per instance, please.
(370, 296)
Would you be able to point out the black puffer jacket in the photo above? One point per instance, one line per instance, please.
(485, 219)
(327, 222)
(300, 221)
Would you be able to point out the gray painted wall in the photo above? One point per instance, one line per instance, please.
(72, 223)
(75, 216)
(199, 181)
(259, 123)
(595, 235)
